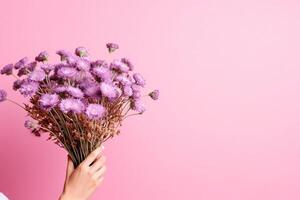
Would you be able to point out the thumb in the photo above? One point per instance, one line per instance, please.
(70, 167)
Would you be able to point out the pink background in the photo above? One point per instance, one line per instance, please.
(227, 124)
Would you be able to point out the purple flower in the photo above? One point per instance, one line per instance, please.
(123, 80)
(37, 75)
(21, 63)
(128, 63)
(48, 101)
(75, 92)
(26, 69)
(103, 73)
(136, 88)
(43, 56)
(95, 111)
(99, 63)
(81, 52)
(28, 88)
(71, 60)
(139, 80)
(72, 105)
(17, 84)
(47, 67)
(30, 124)
(112, 47)
(136, 94)
(91, 89)
(138, 106)
(127, 90)
(66, 72)
(63, 54)
(7, 69)
(119, 66)
(82, 64)
(108, 90)
(3, 95)
(154, 94)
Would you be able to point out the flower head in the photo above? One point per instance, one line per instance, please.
(48, 67)
(139, 80)
(103, 73)
(17, 84)
(112, 47)
(7, 69)
(108, 90)
(95, 111)
(37, 75)
(28, 88)
(123, 80)
(119, 66)
(63, 54)
(128, 63)
(138, 106)
(154, 94)
(3, 95)
(66, 72)
(43, 56)
(127, 91)
(75, 92)
(48, 101)
(81, 52)
(30, 124)
(21, 63)
(71, 105)
(82, 64)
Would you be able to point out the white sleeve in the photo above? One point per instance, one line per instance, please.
(3, 197)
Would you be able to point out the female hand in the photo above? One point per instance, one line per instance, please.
(81, 182)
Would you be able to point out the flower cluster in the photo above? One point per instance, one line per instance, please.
(78, 99)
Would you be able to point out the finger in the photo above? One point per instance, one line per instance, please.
(100, 180)
(70, 167)
(91, 158)
(98, 164)
(98, 174)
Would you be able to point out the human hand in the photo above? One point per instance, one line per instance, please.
(81, 183)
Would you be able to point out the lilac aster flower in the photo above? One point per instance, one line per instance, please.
(82, 64)
(108, 90)
(139, 80)
(91, 89)
(63, 54)
(123, 80)
(112, 47)
(127, 90)
(136, 94)
(3, 95)
(28, 88)
(17, 84)
(95, 111)
(60, 89)
(30, 124)
(103, 73)
(99, 63)
(71, 60)
(7, 69)
(48, 101)
(43, 56)
(75, 92)
(48, 67)
(154, 94)
(138, 106)
(21, 63)
(119, 66)
(37, 75)
(66, 72)
(128, 63)
(26, 69)
(81, 52)
(72, 105)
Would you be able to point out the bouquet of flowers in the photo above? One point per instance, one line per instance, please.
(80, 102)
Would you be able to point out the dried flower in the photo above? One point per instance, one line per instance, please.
(21, 63)
(7, 69)
(28, 88)
(75, 92)
(81, 52)
(103, 73)
(112, 47)
(71, 105)
(3, 95)
(66, 72)
(154, 94)
(37, 75)
(138, 106)
(43, 56)
(139, 80)
(128, 63)
(30, 124)
(48, 101)
(119, 66)
(95, 111)
(108, 90)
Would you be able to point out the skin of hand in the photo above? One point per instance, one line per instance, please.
(81, 183)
